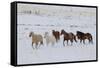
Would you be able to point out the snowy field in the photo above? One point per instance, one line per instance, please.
(54, 53)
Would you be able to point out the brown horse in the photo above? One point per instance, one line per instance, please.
(68, 36)
(56, 34)
(83, 36)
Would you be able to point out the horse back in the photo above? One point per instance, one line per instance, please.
(37, 37)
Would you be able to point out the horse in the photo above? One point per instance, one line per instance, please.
(49, 38)
(56, 35)
(68, 36)
(36, 38)
(83, 36)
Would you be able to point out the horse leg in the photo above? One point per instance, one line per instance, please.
(67, 42)
(56, 40)
(63, 42)
(53, 43)
(75, 38)
(84, 41)
(36, 46)
(71, 41)
(32, 45)
(47, 42)
(58, 37)
(91, 40)
(80, 40)
(41, 43)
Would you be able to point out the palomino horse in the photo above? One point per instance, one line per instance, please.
(36, 38)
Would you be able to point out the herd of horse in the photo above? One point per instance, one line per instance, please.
(55, 37)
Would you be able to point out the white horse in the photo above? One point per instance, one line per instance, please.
(36, 38)
(49, 38)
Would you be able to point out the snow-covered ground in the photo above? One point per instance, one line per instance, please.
(54, 53)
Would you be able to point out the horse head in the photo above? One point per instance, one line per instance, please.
(30, 34)
(53, 30)
(62, 32)
(79, 34)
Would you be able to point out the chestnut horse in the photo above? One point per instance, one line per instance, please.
(56, 34)
(68, 36)
(82, 36)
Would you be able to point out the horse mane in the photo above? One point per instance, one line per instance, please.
(79, 32)
(63, 31)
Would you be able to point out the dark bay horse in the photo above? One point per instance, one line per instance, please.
(83, 36)
(68, 36)
(56, 34)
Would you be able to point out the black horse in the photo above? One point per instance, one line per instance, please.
(83, 36)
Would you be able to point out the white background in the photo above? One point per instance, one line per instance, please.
(5, 34)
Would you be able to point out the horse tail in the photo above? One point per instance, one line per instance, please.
(56, 40)
(59, 36)
(91, 39)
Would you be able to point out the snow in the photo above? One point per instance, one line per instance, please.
(54, 53)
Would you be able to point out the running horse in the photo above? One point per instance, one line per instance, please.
(83, 36)
(56, 34)
(68, 36)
